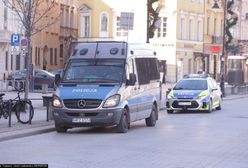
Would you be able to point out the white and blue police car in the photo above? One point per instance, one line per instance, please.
(194, 92)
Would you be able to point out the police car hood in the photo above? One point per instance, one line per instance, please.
(87, 91)
(186, 94)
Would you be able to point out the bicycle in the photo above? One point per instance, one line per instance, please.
(23, 108)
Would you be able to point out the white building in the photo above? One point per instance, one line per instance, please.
(10, 58)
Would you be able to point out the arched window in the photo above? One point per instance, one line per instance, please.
(104, 22)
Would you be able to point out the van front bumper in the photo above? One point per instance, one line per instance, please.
(102, 117)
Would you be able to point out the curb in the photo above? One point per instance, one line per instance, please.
(27, 132)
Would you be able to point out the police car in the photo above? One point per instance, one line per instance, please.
(194, 92)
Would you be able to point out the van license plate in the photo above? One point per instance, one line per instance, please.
(184, 103)
(81, 120)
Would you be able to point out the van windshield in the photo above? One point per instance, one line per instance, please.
(94, 71)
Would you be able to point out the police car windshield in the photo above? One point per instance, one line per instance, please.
(191, 85)
(94, 71)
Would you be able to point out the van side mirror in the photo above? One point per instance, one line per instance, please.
(132, 79)
(57, 79)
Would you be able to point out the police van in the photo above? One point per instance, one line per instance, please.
(107, 84)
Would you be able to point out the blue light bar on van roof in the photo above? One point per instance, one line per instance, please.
(202, 75)
(99, 50)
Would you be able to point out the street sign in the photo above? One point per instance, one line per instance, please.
(126, 20)
(15, 40)
(24, 42)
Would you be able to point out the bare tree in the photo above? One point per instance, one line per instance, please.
(35, 15)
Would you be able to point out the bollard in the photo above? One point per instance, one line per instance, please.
(44, 88)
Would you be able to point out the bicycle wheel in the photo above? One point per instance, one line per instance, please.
(24, 111)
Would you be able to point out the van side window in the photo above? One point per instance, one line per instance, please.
(147, 69)
(130, 68)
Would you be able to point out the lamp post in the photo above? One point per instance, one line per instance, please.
(223, 54)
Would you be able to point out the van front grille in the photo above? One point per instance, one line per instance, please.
(88, 103)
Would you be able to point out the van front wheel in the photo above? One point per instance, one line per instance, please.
(151, 121)
(122, 127)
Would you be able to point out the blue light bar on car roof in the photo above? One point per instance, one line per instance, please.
(202, 75)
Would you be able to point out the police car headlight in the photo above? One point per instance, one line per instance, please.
(56, 102)
(112, 101)
(202, 95)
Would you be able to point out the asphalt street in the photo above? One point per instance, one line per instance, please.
(180, 140)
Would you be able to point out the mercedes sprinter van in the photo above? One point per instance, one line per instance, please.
(107, 84)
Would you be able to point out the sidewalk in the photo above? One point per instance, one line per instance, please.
(39, 124)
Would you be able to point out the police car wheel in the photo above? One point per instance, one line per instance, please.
(170, 111)
(123, 125)
(60, 129)
(151, 120)
(219, 107)
(210, 107)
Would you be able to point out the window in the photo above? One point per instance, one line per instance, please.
(104, 22)
(130, 68)
(5, 17)
(62, 15)
(147, 69)
(191, 29)
(55, 56)
(18, 62)
(164, 27)
(72, 19)
(162, 30)
(120, 32)
(6, 61)
(182, 28)
(11, 62)
(85, 23)
(36, 56)
(208, 21)
(199, 30)
(215, 26)
(51, 56)
(61, 51)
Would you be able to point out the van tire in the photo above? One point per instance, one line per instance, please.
(60, 129)
(123, 125)
(151, 120)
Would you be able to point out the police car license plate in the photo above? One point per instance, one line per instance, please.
(184, 103)
(81, 120)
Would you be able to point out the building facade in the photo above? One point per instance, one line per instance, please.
(11, 58)
(68, 28)
(179, 40)
(101, 20)
(213, 38)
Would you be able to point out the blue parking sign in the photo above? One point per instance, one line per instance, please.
(15, 39)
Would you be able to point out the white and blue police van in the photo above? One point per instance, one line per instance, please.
(107, 83)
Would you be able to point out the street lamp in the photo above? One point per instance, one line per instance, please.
(222, 59)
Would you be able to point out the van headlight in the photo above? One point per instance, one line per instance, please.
(57, 102)
(112, 101)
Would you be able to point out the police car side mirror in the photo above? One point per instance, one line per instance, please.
(57, 79)
(132, 79)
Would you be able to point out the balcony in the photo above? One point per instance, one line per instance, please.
(217, 39)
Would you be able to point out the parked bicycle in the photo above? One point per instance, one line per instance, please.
(23, 108)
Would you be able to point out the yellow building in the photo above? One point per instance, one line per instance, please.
(45, 44)
(100, 20)
(213, 36)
